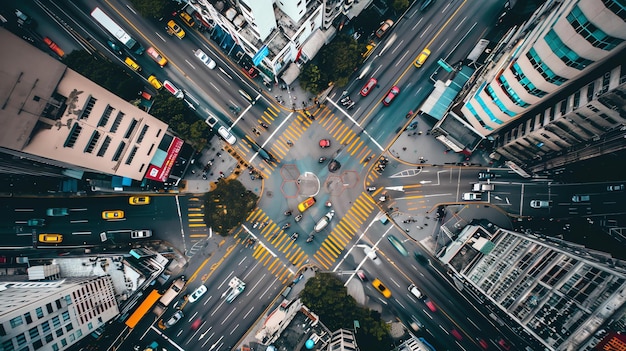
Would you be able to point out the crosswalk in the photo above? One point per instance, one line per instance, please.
(343, 133)
(347, 228)
(197, 229)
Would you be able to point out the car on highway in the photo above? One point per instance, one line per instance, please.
(196, 324)
(50, 238)
(540, 203)
(204, 58)
(174, 29)
(169, 86)
(367, 88)
(113, 214)
(57, 212)
(185, 17)
(324, 143)
(156, 56)
(155, 82)
(140, 234)
(483, 344)
(383, 28)
(54, 47)
(381, 288)
(421, 259)
(504, 344)
(132, 64)
(304, 205)
(456, 334)
(36, 222)
(197, 294)
(486, 175)
(174, 319)
(224, 133)
(426, 4)
(615, 187)
(361, 275)
(415, 292)
(371, 254)
(116, 48)
(581, 198)
(416, 324)
(431, 305)
(397, 244)
(421, 58)
(472, 196)
(139, 200)
(391, 94)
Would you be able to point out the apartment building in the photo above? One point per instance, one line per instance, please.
(558, 293)
(54, 116)
(342, 340)
(53, 315)
(274, 35)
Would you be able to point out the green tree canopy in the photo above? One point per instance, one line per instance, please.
(150, 8)
(325, 295)
(228, 206)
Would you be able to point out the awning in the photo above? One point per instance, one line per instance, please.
(291, 73)
(313, 45)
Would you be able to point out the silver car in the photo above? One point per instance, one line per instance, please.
(204, 58)
(174, 319)
(540, 203)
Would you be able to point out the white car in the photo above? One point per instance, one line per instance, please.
(224, 133)
(540, 203)
(197, 294)
(139, 234)
(413, 290)
(204, 58)
(472, 196)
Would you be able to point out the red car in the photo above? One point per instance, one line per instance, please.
(367, 88)
(431, 306)
(196, 324)
(324, 143)
(483, 344)
(456, 334)
(504, 345)
(393, 92)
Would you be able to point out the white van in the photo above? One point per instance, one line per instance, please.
(413, 290)
(172, 292)
(483, 187)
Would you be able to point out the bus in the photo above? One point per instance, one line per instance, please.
(117, 31)
(143, 309)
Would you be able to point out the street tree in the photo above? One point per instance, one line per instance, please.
(399, 5)
(325, 295)
(150, 8)
(228, 206)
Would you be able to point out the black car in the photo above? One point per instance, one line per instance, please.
(486, 175)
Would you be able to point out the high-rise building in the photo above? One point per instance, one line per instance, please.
(529, 96)
(557, 293)
(54, 315)
(54, 116)
(342, 340)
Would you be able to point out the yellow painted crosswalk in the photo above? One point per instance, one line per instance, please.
(343, 133)
(345, 230)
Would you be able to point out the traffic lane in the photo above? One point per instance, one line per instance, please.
(212, 306)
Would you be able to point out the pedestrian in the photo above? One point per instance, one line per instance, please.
(419, 133)
(404, 148)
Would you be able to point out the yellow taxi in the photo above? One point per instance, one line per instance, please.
(114, 214)
(50, 238)
(421, 58)
(381, 288)
(174, 28)
(139, 200)
(187, 19)
(304, 205)
(155, 82)
(132, 64)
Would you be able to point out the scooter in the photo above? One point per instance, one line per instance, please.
(322, 159)
(409, 114)
(371, 188)
(288, 213)
(256, 224)
(285, 226)
(344, 99)
(310, 238)
(264, 125)
(294, 236)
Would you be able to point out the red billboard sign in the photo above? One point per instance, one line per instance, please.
(161, 173)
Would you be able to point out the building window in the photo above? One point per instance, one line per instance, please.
(21, 339)
(73, 136)
(59, 332)
(63, 342)
(45, 326)
(118, 152)
(33, 332)
(525, 82)
(68, 300)
(28, 318)
(88, 107)
(144, 129)
(66, 316)
(150, 149)
(142, 166)
(55, 321)
(567, 55)
(72, 338)
(105, 116)
(131, 128)
(58, 303)
(8, 345)
(117, 122)
(617, 7)
(90, 325)
(130, 157)
(69, 327)
(104, 146)
(79, 333)
(594, 35)
(55, 347)
(39, 312)
(543, 69)
(16, 321)
(95, 136)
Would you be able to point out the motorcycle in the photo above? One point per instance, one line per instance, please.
(256, 224)
(322, 159)
(264, 125)
(371, 188)
(310, 238)
(290, 143)
(294, 236)
(344, 99)
(285, 226)
(409, 114)
(288, 213)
